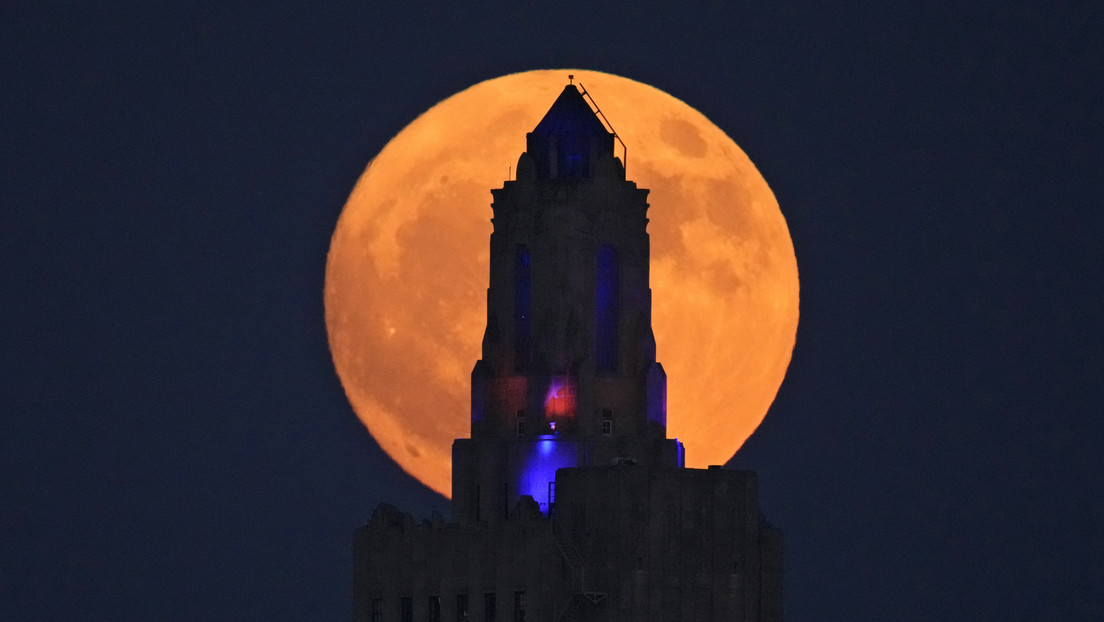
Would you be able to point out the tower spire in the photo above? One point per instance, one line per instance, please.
(568, 375)
(569, 139)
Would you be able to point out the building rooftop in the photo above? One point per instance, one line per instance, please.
(571, 114)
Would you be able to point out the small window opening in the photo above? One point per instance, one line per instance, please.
(461, 608)
(433, 606)
(489, 614)
(519, 606)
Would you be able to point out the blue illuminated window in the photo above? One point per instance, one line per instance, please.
(574, 165)
(522, 303)
(606, 309)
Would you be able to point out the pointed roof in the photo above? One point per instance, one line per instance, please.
(569, 140)
(571, 114)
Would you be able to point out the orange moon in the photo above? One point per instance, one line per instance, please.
(407, 271)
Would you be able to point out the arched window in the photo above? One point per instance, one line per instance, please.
(606, 310)
(522, 303)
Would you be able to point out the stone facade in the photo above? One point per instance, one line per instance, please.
(569, 500)
(622, 543)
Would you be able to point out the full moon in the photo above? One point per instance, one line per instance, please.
(407, 271)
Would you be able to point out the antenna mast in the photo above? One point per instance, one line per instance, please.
(624, 149)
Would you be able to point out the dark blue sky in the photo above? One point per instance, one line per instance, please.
(175, 445)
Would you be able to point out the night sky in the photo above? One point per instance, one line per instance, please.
(174, 441)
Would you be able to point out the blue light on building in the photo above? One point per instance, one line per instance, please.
(544, 456)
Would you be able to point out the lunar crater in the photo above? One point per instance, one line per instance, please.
(683, 136)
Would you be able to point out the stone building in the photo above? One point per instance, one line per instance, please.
(569, 500)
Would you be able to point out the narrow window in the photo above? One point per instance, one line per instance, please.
(551, 499)
(406, 609)
(377, 610)
(433, 608)
(607, 427)
(478, 502)
(461, 608)
(522, 303)
(606, 310)
(519, 606)
(489, 607)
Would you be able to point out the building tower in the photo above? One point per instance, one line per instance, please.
(569, 502)
(569, 376)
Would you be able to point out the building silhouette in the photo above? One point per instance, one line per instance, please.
(569, 501)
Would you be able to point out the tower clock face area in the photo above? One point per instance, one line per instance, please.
(407, 276)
